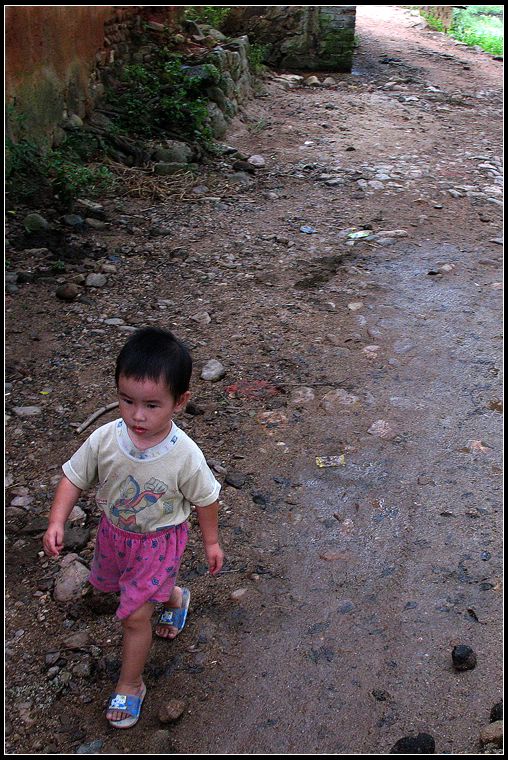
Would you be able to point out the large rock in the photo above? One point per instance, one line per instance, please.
(218, 123)
(173, 151)
(70, 582)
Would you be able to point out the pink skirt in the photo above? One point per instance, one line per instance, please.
(141, 566)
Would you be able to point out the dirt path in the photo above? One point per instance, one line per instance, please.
(359, 578)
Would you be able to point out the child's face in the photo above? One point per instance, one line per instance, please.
(147, 408)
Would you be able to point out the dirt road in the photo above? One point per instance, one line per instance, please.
(379, 351)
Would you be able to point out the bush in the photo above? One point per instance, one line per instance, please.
(480, 25)
(207, 14)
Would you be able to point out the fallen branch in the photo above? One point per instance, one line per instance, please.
(95, 415)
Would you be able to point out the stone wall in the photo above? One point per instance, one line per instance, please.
(55, 56)
(300, 37)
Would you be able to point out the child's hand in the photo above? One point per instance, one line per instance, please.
(52, 540)
(214, 557)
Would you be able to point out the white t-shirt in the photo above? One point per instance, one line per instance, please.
(143, 491)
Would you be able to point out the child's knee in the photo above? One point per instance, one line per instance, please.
(140, 617)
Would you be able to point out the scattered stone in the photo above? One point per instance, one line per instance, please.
(174, 152)
(70, 582)
(492, 734)
(213, 371)
(380, 695)
(235, 478)
(202, 317)
(35, 223)
(91, 208)
(337, 397)
(95, 224)
(272, 419)
(115, 321)
(497, 712)
(172, 711)
(302, 396)
(257, 161)
(423, 744)
(22, 501)
(76, 538)
(79, 640)
(67, 292)
(73, 220)
(241, 178)
(27, 411)
(238, 594)
(464, 658)
(382, 429)
(95, 280)
(329, 82)
(332, 556)
(312, 82)
(91, 748)
(36, 525)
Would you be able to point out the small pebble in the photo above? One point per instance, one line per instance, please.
(464, 658)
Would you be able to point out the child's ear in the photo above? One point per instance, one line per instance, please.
(182, 401)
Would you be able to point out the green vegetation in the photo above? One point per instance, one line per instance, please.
(256, 56)
(207, 14)
(31, 171)
(480, 25)
(154, 99)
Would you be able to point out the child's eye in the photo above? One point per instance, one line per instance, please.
(152, 406)
(125, 401)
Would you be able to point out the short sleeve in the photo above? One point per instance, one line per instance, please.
(82, 467)
(202, 488)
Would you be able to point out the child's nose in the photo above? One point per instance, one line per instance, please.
(139, 413)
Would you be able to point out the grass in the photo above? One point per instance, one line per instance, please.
(480, 25)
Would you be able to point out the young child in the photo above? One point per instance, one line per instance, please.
(149, 473)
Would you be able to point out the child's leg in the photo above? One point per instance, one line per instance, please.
(174, 601)
(137, 639)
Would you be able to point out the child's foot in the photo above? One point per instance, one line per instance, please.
(125, 705)
(178, 605)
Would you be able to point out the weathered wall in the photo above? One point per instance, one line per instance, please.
(300, 37)
(54, 55)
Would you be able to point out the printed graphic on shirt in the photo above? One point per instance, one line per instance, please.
(133, 500)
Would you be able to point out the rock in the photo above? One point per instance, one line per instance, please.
(22, 501)
(91, 748)
(312, 82)
(70, 582)
(241, 177)
(67, 292)
(35, 223)
(79, 640)
(165, 168)
(355, 305)
(73, 121)
(492, 734)
(173, 151)
(213, 371)
(76, 538)
(339, 397)
(333, 556)
(382, 429)
(202, 317)
(95, 224)
(27, 411)
(73, 220)
(172, 711)
(302, 396)
(423, 744)
(464, 658)
(95, 280)
(91, 208)
(218, 123)
(257, 161)
(329, 82)
(392, 233)
(235, 478)
(497, 712)
(115, 321)
(238, 594)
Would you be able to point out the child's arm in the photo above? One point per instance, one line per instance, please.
(66, 497)
(208, 522)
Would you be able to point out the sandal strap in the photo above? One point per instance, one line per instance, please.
(126, 703)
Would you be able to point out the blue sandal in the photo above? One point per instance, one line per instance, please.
(175, 617)
(129, 704)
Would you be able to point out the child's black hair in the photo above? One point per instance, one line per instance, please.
(153, 353)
